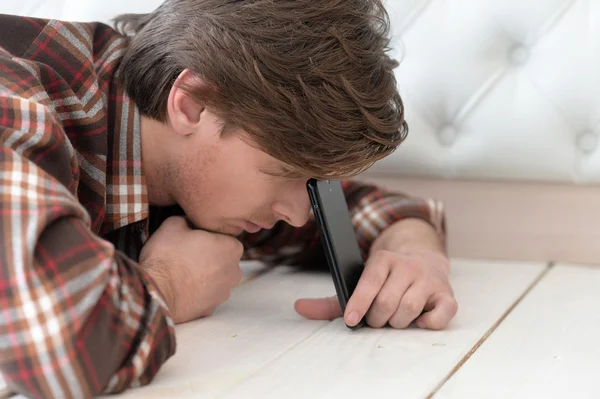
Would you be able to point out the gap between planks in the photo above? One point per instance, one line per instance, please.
(491, 330)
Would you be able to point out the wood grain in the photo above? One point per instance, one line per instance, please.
(385, 363)
(546, 348)
(256, 346)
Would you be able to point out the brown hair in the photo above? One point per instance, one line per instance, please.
(310, 81)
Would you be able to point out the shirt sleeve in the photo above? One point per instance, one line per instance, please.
(372, 210)
(77, 317)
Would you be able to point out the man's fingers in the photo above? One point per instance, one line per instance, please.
(387, 301)
(174, 222)
(319, 309)
(443, 308)
(411, 306)
(372, 280)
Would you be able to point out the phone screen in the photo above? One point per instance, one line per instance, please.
(338, 236)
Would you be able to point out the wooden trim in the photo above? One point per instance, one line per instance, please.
(513, 220)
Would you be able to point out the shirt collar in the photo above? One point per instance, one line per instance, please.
(126, 189)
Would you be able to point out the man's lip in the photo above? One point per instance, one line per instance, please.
(254, 227)
(251, 227)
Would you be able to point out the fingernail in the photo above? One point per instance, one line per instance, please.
(353, 318)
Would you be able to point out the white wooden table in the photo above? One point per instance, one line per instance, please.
(523, 330)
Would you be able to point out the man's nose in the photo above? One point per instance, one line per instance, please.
(294, 208)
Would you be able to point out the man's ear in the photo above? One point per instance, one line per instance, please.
(184, 113)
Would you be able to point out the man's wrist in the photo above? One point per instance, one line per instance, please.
(162, 283)
(410, 235)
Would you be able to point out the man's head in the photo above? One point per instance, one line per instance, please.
(256, 96)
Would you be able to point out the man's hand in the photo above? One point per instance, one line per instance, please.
(195, 270)
(405, 279)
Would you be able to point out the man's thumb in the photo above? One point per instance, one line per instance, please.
(319, 308)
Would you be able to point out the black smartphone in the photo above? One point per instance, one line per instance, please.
(338, 237)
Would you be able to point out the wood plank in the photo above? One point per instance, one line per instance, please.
(256, 325)
(546, 348)
(252, 270)
(385, 363)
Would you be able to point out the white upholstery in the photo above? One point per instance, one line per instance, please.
(494, 89)
(499, 89)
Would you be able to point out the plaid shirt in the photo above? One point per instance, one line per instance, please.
(78, 316)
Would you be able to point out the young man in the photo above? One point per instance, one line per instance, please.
(136, 171)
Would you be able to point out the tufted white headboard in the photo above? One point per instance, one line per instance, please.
(503, 104)
(499, 89)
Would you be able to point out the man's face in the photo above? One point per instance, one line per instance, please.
(225, 184)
